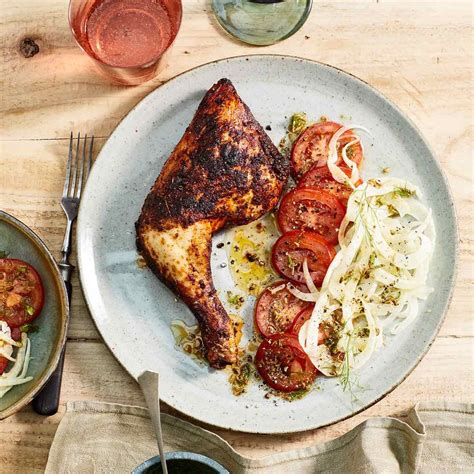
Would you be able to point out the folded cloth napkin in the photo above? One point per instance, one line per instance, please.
(98, 437)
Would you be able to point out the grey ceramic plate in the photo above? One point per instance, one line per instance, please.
(133, 310)
(46, 344)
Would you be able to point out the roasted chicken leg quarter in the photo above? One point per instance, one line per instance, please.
(224, 171)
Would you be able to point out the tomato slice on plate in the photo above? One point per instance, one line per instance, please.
(3, 364)
(311, 148)
(311, 209)
(21, 292)
(298, 322)
(276, 310)
(292, 248)
(283, 365)
(16, 334)
(321, 178)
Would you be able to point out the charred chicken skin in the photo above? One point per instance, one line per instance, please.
(224, 171)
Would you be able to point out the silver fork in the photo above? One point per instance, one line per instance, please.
(77, 171)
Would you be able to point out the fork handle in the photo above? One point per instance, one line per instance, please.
(46, 401)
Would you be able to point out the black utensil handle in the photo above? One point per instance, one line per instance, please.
(46, 401)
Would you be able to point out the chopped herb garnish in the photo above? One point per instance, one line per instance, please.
(240, 377)
(29, 328)
(292, 263)
(404, 192)
(345, 377)
(298, 122)
(30, 310)
(296, 395)
(234, 300)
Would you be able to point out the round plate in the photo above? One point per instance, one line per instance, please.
(21, 242)
(133, 310)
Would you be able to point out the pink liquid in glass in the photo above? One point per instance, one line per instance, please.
(127, 33)
(126, 37)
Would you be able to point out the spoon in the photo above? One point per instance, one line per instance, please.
(149, 383)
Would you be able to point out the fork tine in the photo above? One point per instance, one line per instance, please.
(81, 168)
(75, 165)
(89, 161)
(68, 168)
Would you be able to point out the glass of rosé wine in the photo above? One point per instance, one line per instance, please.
(126, 38)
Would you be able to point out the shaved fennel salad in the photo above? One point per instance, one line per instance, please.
(20, 361)
(373, 285)
(375, 281)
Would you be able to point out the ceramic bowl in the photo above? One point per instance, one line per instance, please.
(182, 463)
(21, 242)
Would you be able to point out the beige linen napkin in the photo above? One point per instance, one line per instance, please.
(98, 437)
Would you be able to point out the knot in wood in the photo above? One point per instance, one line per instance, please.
(28, 48)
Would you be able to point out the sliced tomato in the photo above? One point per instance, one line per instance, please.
(292, 248)
(275, 311)
(3, 364)
(21, 292)
(16, 334)
(311, 148)
(321, 178)
(283, 365)
(298, 322)
(311, 209)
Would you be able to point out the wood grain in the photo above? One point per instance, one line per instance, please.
(417, 53)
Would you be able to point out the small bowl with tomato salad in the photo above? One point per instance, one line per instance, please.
(33, 300)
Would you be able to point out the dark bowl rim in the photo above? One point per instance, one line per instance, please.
(206, 461)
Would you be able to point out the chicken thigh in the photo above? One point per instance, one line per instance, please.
(224, 171)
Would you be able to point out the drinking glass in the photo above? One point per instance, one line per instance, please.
(261, 22)
(127, 39)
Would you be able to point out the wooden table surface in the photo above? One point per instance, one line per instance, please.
(418, 53)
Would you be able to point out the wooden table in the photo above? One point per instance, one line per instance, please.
(418, 53)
